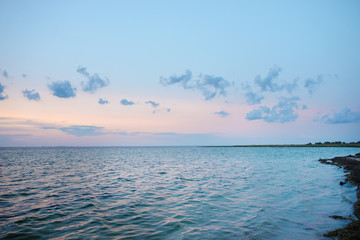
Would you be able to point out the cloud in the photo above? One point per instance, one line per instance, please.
(222, 113)
(20, 123)
(252, 97)
(182, 79)
(103, 101)
(90, 132)
(289, 87)
(312, 84)
(62, 89)
(126, 102)
(156, 108)
(254, 114)
(2, 93)
(344, 116)
(47, 128)
(83, 71)
(82, 130)
(94, 81)
(210, 86)
(154, 104)
(79, 130)
(268, 84)
(5, 74)
(31, 95)
(283, 111)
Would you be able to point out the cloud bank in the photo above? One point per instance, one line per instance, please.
(31, 95)
(284, 111)
(82, 130)
(86, 130)
(62, 89)
(210, 86)
(94, 82)
(346, 115)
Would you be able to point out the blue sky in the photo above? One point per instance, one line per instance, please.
(178, 72)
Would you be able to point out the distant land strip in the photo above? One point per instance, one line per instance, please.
(318, 144)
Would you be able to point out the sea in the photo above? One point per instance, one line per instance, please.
(172, 193)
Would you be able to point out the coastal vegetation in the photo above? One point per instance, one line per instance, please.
(316, 144)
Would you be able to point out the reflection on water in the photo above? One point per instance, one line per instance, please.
(171, 193)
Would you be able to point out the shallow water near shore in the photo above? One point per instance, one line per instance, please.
(171, 193)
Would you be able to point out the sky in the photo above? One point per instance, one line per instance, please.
(140, 73)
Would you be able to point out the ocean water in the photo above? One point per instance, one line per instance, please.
(171, 193)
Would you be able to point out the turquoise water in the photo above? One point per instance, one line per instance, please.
(171, 193)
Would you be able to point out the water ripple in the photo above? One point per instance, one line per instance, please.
(170, 193)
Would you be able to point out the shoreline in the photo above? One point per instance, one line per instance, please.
(351, 166)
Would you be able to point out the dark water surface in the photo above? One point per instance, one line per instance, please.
(171, 193)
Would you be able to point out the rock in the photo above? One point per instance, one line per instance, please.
(355, 175)
(352, 165)
(342, 183)
(339, 217)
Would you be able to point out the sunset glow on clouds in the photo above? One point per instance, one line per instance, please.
(178, 73)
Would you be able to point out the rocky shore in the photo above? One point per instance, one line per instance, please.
(351, 165)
